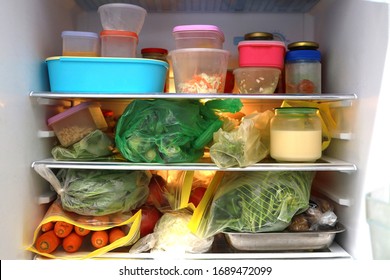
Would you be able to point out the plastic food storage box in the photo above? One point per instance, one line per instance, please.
(260, 53)
(198, 36)
(117, 43)
(75, 123)
(79, 43)
(199, 70)
(106, 75)
(262, 80)
(121, 16)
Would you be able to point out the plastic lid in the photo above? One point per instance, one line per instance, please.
(68, 112)
(303, 55)
(296, 110)
(261, 43)
(79, 34)
(303, 45)
(119, 33)
(199, 27)
(154, 50)
(259, 36)
(122, 6)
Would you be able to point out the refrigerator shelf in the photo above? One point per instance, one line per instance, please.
(324, 97)
(324, 164)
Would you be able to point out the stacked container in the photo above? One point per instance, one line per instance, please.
(261, 61)
(199, 63)
(121, 26)
(80, 43)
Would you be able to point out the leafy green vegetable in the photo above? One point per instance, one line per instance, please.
(259, 201)
(101, 192)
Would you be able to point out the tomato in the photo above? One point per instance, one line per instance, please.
(196, 195)
(150, 216)
(156, 191)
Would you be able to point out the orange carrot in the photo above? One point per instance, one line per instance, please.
(72, 242)
(100, 220)
(99, 239)
(47, 242)
(47, 226)
(115, 233)
(81, 231)
(63, 229)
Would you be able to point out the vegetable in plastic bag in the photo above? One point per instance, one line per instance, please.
(245, 145)
(172, 234)
(166, 131)
(257, 201)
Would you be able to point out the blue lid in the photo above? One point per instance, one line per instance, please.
(79, 34)
(303, 55)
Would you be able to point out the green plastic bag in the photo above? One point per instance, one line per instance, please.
(168, 131)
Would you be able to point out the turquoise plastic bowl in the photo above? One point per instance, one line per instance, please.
(106, 74)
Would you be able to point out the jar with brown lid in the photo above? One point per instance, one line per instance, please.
(303, 45)
(259, 36)
(159, 54)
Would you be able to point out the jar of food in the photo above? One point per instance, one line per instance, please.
(258, 36)
(303, 68)
(160, 54)
(296, 134)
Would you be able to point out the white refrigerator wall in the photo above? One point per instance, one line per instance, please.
(352, 41)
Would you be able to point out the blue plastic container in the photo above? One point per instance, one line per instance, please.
(106, 75)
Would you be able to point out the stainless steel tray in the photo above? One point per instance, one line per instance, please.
(283, 241)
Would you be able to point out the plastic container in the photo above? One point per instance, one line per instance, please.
(116, 43)
(263, 80)
(378, 218)
(80, 43)
(106, 75)
(120, 16)
(296, 135)
(199, 70)
(198, 36)
(75, 123)
(303, 71)
(261, 53)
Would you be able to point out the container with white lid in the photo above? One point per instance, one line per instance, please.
(118, 43)
(198, 36)
(80, 43)
(77, 122)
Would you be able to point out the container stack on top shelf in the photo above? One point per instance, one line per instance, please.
(199, 63)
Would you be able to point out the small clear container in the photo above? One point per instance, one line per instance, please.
(80, 43)
(303, 71)
(199, 70)
(198, 36)
(77, 122)
(117, 43)
(263, 80)
(296, 135)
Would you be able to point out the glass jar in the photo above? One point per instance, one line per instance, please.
(303, 68)
(258, 36)
(296, 134)
(160, 54)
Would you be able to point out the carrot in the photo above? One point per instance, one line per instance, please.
(63, 229)
(47, 242)
(47, 226)
(115, 233)
(100, 220)
(81, 231)
(72, 242)
(99, 239)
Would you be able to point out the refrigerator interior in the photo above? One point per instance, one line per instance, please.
(354, 48)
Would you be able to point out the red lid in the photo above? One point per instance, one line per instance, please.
(154, 50)
(122, 33)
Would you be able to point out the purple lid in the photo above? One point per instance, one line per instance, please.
(79, 34)
(68, 113)
(198, 27)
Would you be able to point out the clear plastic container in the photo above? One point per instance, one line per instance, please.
(303, 71)
(296, 135)
(75, 123)
(80, 43)
(198, 36)
(121, 16)
(199, 70)
(263, 80)
(116, 43)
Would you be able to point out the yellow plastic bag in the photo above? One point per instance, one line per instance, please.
(327, 121)
(127, 222)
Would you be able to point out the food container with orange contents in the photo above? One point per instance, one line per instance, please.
(118, 43)
(80, 43)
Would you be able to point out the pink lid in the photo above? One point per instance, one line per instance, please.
(199, 27)
(261, 43)
(68, 113)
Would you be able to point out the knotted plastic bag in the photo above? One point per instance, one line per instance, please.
(169, 131)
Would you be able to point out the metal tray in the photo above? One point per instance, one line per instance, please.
(283, 241)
